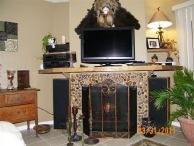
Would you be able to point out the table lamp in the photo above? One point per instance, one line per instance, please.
(159, 20)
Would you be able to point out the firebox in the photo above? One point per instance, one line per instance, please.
(113, 108)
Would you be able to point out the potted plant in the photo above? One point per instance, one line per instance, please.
(181, 94)
(48, 39)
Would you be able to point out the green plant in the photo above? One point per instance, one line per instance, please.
(181, 94)
(45, 42)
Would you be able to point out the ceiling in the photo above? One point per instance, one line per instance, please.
(57, 1)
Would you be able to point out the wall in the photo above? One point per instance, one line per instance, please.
(78, 10)
(35, 19)
(169, 32)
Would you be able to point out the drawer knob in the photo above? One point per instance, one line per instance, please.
(21, 113)
(21, 98)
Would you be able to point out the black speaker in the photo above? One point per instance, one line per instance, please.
(133, 110)
(61, 100)
(160, 116)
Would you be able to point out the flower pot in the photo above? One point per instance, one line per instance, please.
(187, 127)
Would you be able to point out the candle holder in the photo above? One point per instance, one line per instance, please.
(82, 126)
(69, 125)
(91, 139)
(10, 77)
(75, 137)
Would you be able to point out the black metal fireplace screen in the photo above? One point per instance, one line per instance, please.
(114, 109)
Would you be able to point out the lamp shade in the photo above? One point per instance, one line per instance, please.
(159, 19)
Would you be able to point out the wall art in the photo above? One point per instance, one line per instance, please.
(8, 36)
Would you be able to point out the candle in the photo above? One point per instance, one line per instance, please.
(69, 112)
(63, 40)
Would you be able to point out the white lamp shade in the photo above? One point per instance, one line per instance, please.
(159, 19)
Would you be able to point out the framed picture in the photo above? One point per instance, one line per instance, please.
(152, 43)
(167, 45)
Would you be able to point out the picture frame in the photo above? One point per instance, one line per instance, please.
(152, 43)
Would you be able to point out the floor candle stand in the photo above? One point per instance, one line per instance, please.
(75, 137)
(91, 139)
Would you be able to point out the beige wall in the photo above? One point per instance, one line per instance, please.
(169, 32)
(130, 5)
(37, 18)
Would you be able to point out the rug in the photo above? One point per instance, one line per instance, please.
(147, 142)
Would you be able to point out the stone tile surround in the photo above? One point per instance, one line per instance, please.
(132, 78)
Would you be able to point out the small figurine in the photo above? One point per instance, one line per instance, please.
(154, 58)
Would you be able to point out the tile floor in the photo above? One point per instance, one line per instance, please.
(58, 137)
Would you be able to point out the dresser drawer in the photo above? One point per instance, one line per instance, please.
(16, 114)
(2, 100)
(19, 98)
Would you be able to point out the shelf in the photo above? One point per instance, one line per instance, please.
(110, 69)
(160, 50)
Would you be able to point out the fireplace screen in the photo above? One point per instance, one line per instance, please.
(110, 104)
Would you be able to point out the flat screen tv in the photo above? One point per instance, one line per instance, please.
(106, 46)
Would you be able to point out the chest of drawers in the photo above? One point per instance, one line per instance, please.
(19, 106)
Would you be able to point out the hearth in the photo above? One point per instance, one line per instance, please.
(114, 109)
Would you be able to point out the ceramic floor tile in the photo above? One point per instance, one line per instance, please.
(79, 143)
(32, 139)
(134, 138)
(61, 131)
(160, 138)
(26, 133)
(176, 142)
(58, 137)
(116, 142)
(57, 141)
(180, 136)
(42, 143)
(49, 135)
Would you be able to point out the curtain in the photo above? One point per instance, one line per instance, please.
(184, 24)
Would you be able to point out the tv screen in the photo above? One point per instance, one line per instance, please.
(107, 46)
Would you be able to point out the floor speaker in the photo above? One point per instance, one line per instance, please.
(160, 116)
(61, 98)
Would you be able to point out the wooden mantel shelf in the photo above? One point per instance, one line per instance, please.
(110, 69)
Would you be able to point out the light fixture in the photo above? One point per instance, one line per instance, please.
(159, 20)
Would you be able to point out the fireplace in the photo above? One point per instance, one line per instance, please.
(80, 83)
(114, 109)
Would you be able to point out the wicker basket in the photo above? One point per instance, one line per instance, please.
(43, 128)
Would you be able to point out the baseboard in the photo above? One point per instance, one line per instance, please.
(20, 128)
(176, 124)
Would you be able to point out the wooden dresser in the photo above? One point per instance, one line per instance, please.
(19, 106)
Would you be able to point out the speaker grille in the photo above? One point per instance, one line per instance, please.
(60, 102)
(160, 116)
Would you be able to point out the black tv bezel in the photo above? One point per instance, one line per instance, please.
(108, 60)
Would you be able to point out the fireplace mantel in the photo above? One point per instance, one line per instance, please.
(110, 69)
(125, 75)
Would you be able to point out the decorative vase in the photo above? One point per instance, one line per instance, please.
(10, 77)
(187, 127)
(148, 127)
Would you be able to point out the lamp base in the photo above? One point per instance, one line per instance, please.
(69, 144)
(91, 140)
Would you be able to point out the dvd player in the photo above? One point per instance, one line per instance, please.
(57, 48)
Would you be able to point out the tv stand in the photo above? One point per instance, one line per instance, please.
(106, 64)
